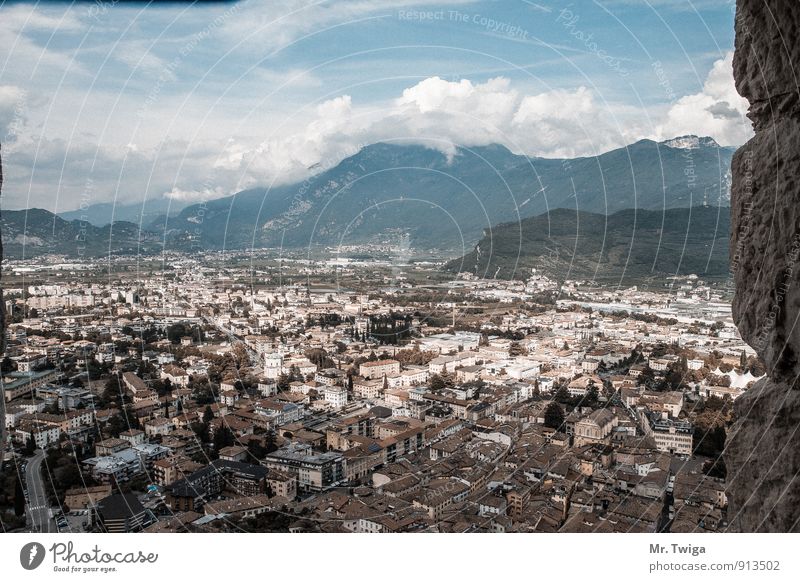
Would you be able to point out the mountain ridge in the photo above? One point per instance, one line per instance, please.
(435, 200)
(627, 247)
(446, 201)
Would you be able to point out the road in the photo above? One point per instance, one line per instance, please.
(38, 510)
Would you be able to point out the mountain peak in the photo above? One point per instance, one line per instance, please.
(392, 153)
(690, 142)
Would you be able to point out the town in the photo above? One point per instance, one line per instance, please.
(254, 392)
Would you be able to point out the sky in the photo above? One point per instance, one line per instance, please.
(123, 102)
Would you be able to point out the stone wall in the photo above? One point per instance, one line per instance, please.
(763, 450)
(2, 330)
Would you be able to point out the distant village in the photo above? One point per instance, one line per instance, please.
(201, 402)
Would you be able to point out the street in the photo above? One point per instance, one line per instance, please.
(38, 510)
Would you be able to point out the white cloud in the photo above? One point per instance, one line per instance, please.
(443, 114)
(556, 104)
(139, 56)
(12, 101)
(196, 195)
(20, 17)
(22, 56)
(717, 110)
(491, 98)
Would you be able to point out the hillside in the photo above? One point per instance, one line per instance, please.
(34, 232)
(139, 213)
(626, 247)
(387, 190)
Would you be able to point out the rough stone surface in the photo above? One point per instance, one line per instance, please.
(2, 329)
(763, 448)
(762, 460)
(765, 246)
(765, 64)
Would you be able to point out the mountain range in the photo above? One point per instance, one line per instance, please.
(106, 213)
(34, 232)
(388, 192)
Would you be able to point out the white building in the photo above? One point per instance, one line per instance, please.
(336, 396)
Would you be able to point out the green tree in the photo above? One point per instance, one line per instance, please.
(223, 437)
(440, 382)
(554, 416)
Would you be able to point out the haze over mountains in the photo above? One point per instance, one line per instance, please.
(387, 191)
(138, 212)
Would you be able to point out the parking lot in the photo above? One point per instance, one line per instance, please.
(74, 521)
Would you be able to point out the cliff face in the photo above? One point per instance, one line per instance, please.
(2, 327)
(763, 452)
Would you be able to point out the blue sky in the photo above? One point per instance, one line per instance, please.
(116, 102)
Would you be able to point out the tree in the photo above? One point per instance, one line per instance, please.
(646, 377)
(115, 425)
(709, 441)
(440, 382)
(294, 374)
(283, 382)
(592, 395)
(256, 450)
(319, 358)
(131, 418)
(554, 416)
(719, 380)
(7, 365)
(516, 349)
(176, 332)
(208, 415)
(269, 442)
(562, 394)
(201, 430)
(113, 393)
(19, 498)
(30, 447)
(223, 437)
